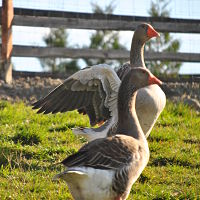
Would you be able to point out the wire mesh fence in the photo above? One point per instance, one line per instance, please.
(34, 36)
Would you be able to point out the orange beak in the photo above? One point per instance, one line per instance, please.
(154, 80)
(151, 32)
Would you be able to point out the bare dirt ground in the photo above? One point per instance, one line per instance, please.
(30, 89)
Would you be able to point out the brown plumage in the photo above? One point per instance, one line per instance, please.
(106, 168)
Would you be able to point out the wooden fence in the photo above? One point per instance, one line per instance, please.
(44, 52)
(72, 20)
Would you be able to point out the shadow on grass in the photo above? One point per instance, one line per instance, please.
(58, 129)
(157, 139)
(62, 128)
(143, 179)
(25, 135)
(3, 104)
(161, 198)
(26, 138)
(164, 124)
(162, 161)
(192, 141)
(168, 196)
(17, 158)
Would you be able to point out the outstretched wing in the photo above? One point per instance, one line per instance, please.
(105, 153)
(93, 90)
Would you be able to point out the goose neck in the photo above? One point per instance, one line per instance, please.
(128, 122)
(137, 53)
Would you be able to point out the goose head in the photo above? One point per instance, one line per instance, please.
(145, 32)
(141, 77)
(135, 79)
(142, 34)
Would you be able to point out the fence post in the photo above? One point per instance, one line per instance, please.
(6, 28)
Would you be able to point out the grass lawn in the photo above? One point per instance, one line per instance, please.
(31, 145)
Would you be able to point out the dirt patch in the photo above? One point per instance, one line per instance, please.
(27, 89)
(30, 89)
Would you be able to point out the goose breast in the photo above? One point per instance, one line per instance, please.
(150, 102)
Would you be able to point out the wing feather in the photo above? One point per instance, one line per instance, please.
(123, 70)
(96, 86)
(104, 153)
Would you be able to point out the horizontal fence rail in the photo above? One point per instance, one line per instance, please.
(45, 52)
(75, 20)
(54, 75)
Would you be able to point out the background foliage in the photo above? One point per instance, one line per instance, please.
(58, 38)
(165, 43)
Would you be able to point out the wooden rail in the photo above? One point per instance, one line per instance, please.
(57, 19)
(75, 20)
(54, 75)
(44, 52)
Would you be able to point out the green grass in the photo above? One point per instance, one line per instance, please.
(31, 145)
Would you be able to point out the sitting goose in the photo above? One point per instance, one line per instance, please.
(94, 91)
(106, 168)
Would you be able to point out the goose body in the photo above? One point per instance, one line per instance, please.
(150, 102)
(107, 177)
(106, 168)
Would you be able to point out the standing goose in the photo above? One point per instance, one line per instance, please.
(150, 100)
(94, 91)
(106, 168)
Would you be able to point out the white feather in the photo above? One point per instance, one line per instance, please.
(86, 183)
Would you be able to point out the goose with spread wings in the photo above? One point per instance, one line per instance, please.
(94, 90)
